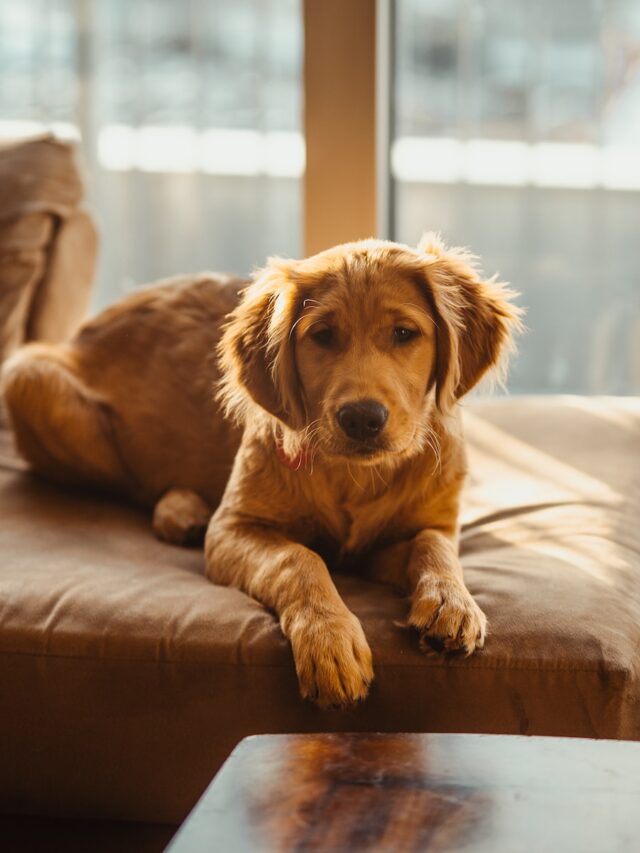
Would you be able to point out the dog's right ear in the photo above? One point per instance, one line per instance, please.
(257, 349)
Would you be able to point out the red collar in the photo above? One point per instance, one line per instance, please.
(295, 463)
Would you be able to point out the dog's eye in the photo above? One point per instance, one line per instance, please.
(402, 335)
(322, 335)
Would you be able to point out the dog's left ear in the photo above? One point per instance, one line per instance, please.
(476, 319)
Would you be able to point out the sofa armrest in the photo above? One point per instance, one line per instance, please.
(48, 243)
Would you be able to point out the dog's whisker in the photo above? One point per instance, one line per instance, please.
(309, 437)
(309, 430)
(314, 425)
(359, 485)
(378, 472)
(430, 438)
(314, 452)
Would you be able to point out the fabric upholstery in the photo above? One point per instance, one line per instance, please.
(48, 243)
(126, 678)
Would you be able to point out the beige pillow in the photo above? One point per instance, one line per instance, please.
(48, 243)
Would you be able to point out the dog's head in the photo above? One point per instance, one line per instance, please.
(355, 348)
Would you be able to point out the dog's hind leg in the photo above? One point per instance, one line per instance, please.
(181, 517)
(63, 428)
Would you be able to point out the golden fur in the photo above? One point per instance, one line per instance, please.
(128, 404)
(412, 330)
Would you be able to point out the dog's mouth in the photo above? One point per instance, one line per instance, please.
(367, 451)
(333, 445)
(360, 452)
(372, 452)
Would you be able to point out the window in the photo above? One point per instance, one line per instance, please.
(190, 118)
(517, 133)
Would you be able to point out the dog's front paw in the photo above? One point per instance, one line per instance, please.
(446, 616)
(332, 657)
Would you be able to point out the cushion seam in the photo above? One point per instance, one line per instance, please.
(181, 661)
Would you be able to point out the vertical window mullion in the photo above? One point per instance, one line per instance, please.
(339, 122)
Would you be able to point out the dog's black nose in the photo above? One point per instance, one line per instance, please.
(363, 419)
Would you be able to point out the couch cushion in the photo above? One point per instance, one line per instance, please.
(126, 678)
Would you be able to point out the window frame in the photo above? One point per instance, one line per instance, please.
(347, 85)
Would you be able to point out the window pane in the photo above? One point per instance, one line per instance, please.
(190, 117)
(518, 135)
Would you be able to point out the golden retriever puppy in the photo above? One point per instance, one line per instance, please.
(344, 372)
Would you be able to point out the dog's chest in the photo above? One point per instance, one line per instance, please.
(352, 524)
(360, 530)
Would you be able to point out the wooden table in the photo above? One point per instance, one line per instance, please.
(401, 792)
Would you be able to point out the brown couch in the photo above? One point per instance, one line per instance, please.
(126, 678)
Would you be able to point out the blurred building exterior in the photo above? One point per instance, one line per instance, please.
(516, 132)
(517, 129)
(190, 118)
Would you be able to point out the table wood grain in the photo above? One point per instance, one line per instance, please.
(400, 792)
